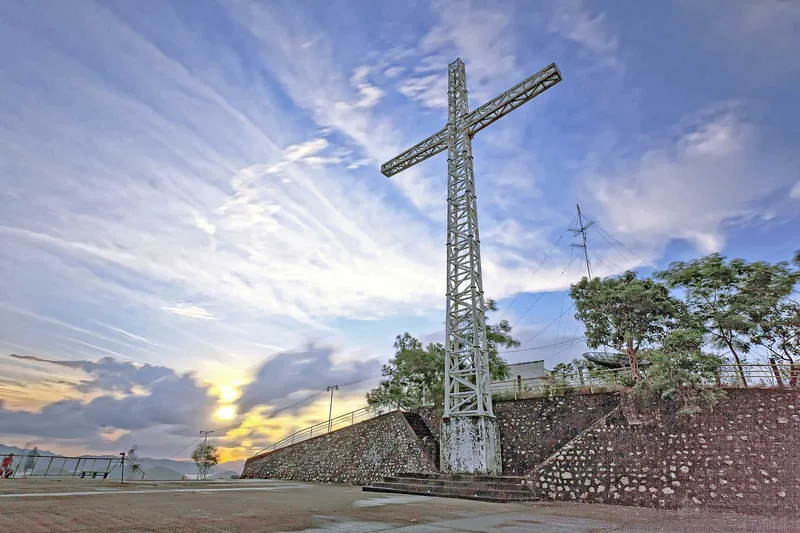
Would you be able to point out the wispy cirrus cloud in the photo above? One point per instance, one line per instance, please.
(705, 178)
(191, 311)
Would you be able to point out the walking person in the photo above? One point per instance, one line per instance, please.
(5, 466)
(30, 463)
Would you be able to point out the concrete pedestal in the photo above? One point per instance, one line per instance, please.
(470, 445)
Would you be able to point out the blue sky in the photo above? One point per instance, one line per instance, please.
(195, 187)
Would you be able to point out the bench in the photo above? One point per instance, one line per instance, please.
(94, 473)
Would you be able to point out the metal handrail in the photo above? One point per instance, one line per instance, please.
(588, 379)
(760, 375)
(324, 427)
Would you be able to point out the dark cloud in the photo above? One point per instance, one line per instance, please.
(177, 402)
(109, 374)
(311, 369)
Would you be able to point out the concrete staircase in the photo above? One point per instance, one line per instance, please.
(425, 436)
(484, 488)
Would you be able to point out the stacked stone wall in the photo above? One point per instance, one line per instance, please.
(532, 429)
(356, 455)
(744, 456)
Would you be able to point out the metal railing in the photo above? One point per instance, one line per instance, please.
(324, 427)
(759, 375)
(588, 381)
(27, 465)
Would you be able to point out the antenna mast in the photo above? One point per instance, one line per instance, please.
(582, 230)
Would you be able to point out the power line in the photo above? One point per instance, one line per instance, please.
(537, 269)
(564, 296)
(540, 296)
(270, 415)
(574, 340)
(542, 347)
(550, 324)
(627, 260)
(361, 380)
(184, 449)
(612, 265)
(621, 244)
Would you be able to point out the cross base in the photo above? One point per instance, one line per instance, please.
(470, 445)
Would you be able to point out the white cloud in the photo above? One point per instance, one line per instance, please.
(431, 90)
(202, 223)
(710, 176)
(313, 81)
(795, 192)
(192, 311)
(370, 95)
(574, 22)
(301, 151)
(480, 37)
(393, 72)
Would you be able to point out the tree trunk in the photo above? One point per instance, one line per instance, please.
(776, 372)
(633, 361)
(738, 362)
(794, 370)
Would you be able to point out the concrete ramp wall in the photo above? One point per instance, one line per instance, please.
(355, 455)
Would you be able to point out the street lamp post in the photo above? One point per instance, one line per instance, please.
(330, 409)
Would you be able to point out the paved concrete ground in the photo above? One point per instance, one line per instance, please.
(33, 506)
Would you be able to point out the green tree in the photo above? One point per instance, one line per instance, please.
(680, 373)
(415, 375)
(205, 457)
(779, 333)
(626, 313)
(730, 298)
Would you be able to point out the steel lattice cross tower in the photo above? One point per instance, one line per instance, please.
(468, 411)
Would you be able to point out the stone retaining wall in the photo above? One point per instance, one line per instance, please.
(355, 455)
(744, 457)
(531, 430)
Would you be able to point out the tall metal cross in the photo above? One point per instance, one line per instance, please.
(467, 379)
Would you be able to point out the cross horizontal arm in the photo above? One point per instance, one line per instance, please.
(513, 98)
(416, 154)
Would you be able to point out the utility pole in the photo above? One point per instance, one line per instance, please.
(582, 230)
(205, 451)
(330, 409)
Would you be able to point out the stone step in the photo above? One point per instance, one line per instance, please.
(476, 487)
(449, 483)
(466, 477)
(468, 492)
(418, 424)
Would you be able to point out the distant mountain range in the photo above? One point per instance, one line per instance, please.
(160, 469)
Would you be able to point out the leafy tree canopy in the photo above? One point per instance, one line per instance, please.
(415, 375)
(205, 457)
(626, 313)
(730, 298)
(680, 373)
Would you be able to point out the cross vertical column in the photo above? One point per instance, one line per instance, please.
(470, 441)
